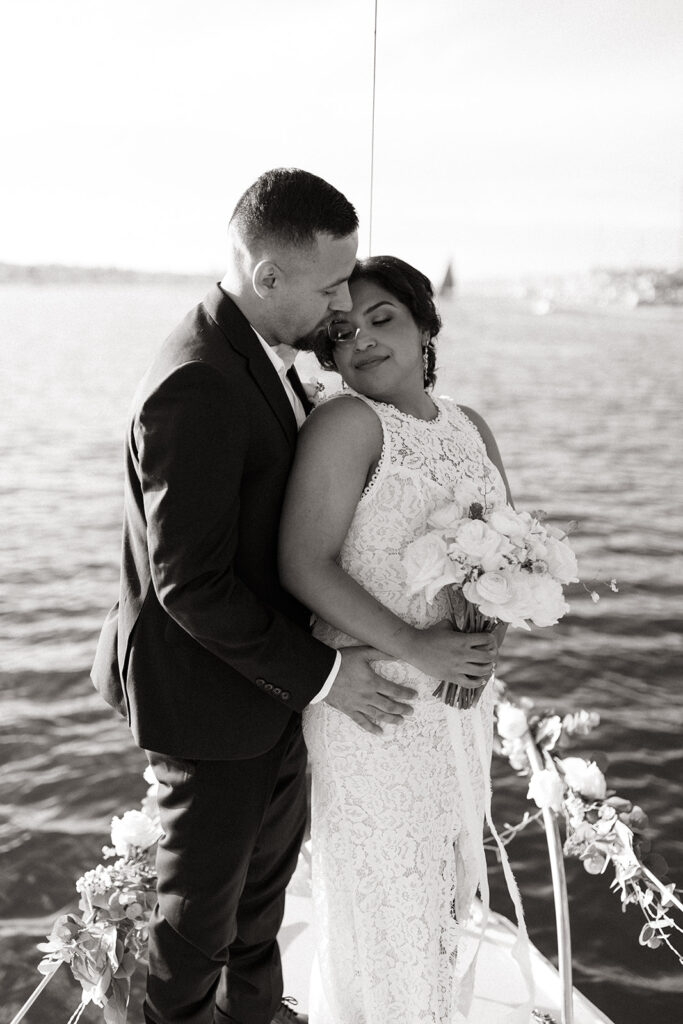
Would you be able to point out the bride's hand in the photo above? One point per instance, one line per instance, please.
(444, 653)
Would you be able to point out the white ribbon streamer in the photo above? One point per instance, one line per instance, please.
(520, 948)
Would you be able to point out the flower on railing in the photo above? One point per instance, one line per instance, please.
(103, 942)
(601, 827)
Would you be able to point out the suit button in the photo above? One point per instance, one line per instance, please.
(277, 691)
(285, 695)
(260, 682)
(267, 686)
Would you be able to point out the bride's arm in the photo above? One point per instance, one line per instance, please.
(338, 448)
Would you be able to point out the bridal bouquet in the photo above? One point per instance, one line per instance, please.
(497, 565)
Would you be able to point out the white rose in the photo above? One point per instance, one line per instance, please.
(561, 561)
(584, 777)
(133, 831)
(428, 567)
(488, 592)
(481, 545)
(546, 789)
(447, 518)
(535, 548)
(515, 525)
(515, 610)
(512, 721)
(547, 603)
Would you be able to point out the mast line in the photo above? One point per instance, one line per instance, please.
(372, 134)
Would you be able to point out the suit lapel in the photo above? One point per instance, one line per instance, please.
(239, 333)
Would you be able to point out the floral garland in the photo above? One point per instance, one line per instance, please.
(600, 827)
(104, 941)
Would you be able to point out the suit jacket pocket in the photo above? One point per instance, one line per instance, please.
(105, 672)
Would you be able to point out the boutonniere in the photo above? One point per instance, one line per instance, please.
(315, 390)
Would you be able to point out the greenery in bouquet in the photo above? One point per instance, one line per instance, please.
(601, 828)
(103, 941)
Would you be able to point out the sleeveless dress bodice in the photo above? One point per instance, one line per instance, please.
(394, 822)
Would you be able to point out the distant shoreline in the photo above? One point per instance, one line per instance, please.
(599, 290)
(56, 273)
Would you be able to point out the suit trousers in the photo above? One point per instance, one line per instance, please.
(232, 832)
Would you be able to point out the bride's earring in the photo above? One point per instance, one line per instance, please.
(425, 363)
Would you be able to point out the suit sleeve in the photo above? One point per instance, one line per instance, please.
(191, 444)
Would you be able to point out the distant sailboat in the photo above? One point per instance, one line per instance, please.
(447, 289)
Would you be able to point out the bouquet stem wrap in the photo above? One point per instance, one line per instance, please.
(466, 618)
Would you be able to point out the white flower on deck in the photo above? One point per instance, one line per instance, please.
(580, 722)
(512, 721)
(584, 777)
(546, 789)
(134, 831)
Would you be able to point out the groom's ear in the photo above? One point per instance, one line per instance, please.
(265, 278)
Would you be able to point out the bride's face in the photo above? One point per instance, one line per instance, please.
(380, 353)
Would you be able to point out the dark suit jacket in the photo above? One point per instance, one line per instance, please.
(205, 653)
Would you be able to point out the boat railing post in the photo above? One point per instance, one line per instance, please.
(559, 879)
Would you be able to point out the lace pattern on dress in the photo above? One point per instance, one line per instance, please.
(392, 825)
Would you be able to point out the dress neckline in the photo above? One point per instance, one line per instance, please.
(405, 415)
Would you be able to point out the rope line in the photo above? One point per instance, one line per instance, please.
(77, 1014)
(34, 995)
(372, 133)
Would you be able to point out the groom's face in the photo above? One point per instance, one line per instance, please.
(315, 288)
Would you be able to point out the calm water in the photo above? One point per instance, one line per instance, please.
(586, 409)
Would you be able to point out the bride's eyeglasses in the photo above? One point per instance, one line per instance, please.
(341, 332)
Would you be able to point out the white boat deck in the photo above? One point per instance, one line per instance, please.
(498, 985)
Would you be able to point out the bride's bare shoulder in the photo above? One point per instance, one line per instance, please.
(343, 418)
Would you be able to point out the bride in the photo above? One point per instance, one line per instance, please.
(396, 808)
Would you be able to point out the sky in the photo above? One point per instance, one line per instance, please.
(512, 137)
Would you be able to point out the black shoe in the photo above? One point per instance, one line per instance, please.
(286, 1014)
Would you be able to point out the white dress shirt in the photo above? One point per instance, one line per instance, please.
(282, 357)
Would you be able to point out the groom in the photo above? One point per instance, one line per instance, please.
(206, 655)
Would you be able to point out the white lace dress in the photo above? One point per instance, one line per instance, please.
(397, 819)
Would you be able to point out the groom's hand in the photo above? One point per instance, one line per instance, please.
(370, 700)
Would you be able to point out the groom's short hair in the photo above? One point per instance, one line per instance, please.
(290, 207)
